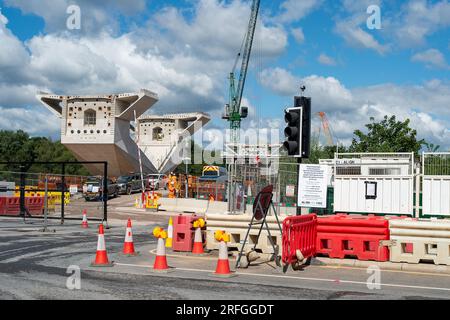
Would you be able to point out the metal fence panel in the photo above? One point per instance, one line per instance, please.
(436, 184)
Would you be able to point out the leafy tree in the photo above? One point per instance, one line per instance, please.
(389, 135)
(431, 147)
(322, 152)
(19, 147)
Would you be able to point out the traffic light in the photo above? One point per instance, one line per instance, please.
(292, 131)
(306, 125)
(298, 130)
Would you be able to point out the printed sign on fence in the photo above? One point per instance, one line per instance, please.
(290, 191)
(312, 189)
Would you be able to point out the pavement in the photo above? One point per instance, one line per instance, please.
(34, 265)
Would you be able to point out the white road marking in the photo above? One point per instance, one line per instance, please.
(298, 278)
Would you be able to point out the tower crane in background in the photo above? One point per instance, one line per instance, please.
(234, 113)
(326, 128)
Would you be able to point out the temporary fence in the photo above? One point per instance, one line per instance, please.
(436, 184)
(299, 234)
(49, 195)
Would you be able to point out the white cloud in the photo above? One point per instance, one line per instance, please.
(96, 16)
(210, 33)
(432, 58)
(280, 81)
(354, 35)
(13, 55)
(185, 60)
(295, 10)
(426, 105)
(298, 34)
(35, 122)
(326, 60)
(421, 19)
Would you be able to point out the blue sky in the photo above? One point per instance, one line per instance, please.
(183, 50)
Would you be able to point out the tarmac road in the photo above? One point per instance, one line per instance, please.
(33, 265)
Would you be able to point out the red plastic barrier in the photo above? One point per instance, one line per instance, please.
(183, 233)
(2, 204)
(299, 233)
(35, 205)
(10, 207)
(342, 236)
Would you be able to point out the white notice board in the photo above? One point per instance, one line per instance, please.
(312, 188)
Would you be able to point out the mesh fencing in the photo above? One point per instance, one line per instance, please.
(55, 196)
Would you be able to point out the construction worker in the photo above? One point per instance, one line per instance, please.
(172, 186)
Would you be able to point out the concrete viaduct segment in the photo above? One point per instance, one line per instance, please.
(161, 137)
(97, 128)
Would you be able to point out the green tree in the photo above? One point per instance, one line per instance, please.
(388, 135)
(431, 147)
(322, 152)
(19, 147)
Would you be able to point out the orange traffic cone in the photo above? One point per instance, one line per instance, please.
(84, 224)
(198, 242)
(128, 247)
(160, 264)
(223, 264)
(101, 259)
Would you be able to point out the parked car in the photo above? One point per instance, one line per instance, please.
(156, 182)
(129, 184)
(93, 189)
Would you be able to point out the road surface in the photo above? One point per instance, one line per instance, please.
(33, 265)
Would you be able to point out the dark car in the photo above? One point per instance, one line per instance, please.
(93, 189)
(129, 184)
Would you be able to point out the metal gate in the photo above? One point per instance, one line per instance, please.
(436, 184)
(379, 183)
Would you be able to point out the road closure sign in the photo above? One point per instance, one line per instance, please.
(312, 188)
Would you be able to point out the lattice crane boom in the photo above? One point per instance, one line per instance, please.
(233, 111)
(326, 128)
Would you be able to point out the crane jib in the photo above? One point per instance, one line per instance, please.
(248, 50)
(233, 112)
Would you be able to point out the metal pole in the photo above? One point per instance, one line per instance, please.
(187, 180)
(22, 192)
(299, 209)
(46, 204)
(418, 187)
(139, 152)
(105, 194)
(63, 191)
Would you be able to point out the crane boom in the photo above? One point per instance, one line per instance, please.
(233, 112)
(326, 128)
(248, 50)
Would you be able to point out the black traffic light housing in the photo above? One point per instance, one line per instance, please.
(292, 132)
(298, 130)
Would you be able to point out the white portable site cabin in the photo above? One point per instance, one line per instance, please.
(378, 183)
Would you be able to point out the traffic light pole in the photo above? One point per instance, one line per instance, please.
(299, 209)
